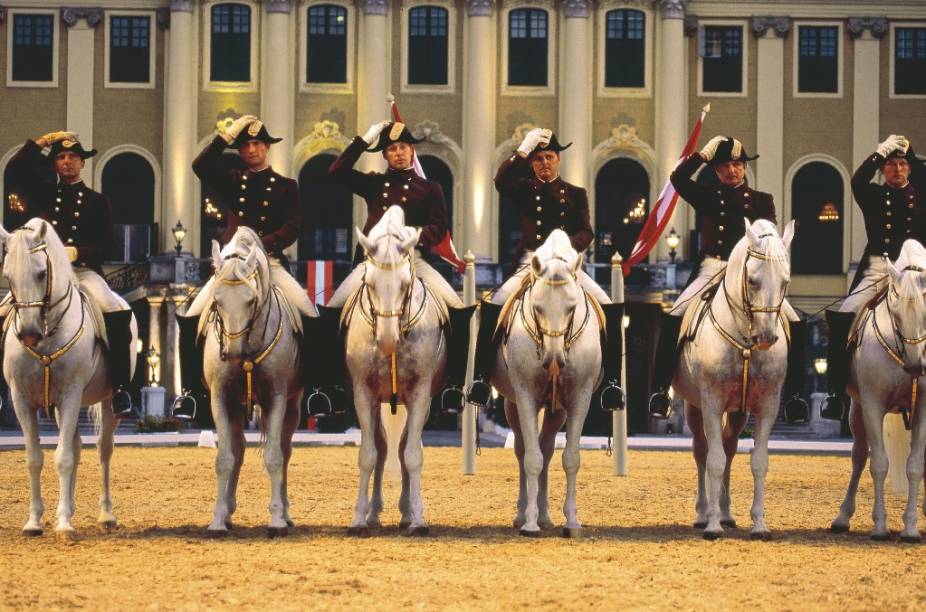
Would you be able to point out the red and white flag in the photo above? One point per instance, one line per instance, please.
(661, 213)
(444, 249)
(319, 281)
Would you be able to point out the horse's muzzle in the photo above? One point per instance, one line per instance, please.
(764, 343)
(917, 369)
(30, 339)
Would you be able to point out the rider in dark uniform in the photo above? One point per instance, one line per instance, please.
(893, 212)
(52, 189)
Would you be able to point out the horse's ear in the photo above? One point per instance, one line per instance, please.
(789, 234)
(537, 266)
(251, 259)
(216, 255)
(895, 273)
(43, 230)
(409, 243)
(4, 235)
(366, 244)
(580, 259)
(751, 235)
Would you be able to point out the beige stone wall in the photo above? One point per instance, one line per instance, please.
(900, 115)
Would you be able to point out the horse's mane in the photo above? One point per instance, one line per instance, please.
(770, 243)
(390, 226)
(912, 253)
(557, 247)
(240, 245)
(27, 235)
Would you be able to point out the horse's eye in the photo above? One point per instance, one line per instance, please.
(42, 274)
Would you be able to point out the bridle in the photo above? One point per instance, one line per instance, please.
(532, 325)
(371, 315)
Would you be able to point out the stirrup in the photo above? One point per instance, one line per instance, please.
(833, 407)
(121, 402)
(796, 410)
(659, 403)
(612, 397)
(323, 406)
(457, 401)
(177, 408)
(479, 393)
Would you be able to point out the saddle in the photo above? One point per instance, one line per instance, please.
(295, 318)
(861, 317)
(697, 310)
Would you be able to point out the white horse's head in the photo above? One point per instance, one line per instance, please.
(39, 273)
(907, 305)
(388, 274)
(241, 290)
(757, 279)
(555, 293)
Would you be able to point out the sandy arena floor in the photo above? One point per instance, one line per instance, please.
(638, 550)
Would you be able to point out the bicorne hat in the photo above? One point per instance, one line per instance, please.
(255, 131)
(392, 133)
(731, 149)
(553, 145)
(72, 146)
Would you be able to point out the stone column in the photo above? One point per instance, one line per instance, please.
(81, 23)
(866, 33)
(277, 83)
(479, 90)
(576, 87)
(671, 93)
(373, 72)
(180, 127)
(771, 32)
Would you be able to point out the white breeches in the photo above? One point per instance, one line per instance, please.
(873, 280)
(511, 285)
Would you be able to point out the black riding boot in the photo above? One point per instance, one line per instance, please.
(4, 388)
(118, 362)
(837, 364)
(612, 395)
(664, 368)
(452, 398)
(323, 363)
(486, 349)
(796, 409)
(193, 391)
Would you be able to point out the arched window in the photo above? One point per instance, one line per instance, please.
(213, 208)
(128, 182)
(15, 203)
(230, 43)
(621, 205)
(327, 213)
(817, 206)
(625, 48)
(437, 170)
(528, 37)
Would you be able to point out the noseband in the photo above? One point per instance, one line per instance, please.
(373, 316)
(536, 331)
(45, 304)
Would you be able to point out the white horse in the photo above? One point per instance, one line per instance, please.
(886, 373)
(52, 357)
(250, 362)
(736, 364)
(396, 352)
(552, 356)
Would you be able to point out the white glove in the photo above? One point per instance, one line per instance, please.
(53, 137)
(237, 127)
(533, 138)
(710, 149)
(375, 130)
(71, 253)
(893, 143)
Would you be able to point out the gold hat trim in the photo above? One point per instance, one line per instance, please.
(67, 144)
(396, 131)
(254, 128)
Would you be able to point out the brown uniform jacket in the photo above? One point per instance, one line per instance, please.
(421, 199)
(265, 201)
(81, 217)
(720, 209)
(544, 207)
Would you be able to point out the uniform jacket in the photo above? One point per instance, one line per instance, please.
(265, 201)
(81, 217)
(543, 206)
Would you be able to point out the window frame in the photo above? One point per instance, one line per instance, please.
(552, 52)
(450, 87)
(248, 86)
(55, 46)
(840, 60)
(746, 41)
(152, 48)
(892, 42)
(648, 57)
(303, 27)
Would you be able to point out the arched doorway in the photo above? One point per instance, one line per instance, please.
(213, 208)
(15, 201)
(621, 204)
(818, 208)
(128, 181)
(327, 213)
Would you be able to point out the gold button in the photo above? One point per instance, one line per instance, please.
(405, 186)
(538, 222)
(562, 191)
(404, 199)
(74, 227)
(241, 199)
(746, 206)
(888, 213)
(384, 208)
(385, 195)
(273, 179)
(746, 195)
(910, 205)
(909, 218)
(540, 209)
(263, 218)
(888, 202)
(538, 198)
(268, 189)
(54, 222)
(76, 213)
(80, 194)
(722, 213)
(720, 242)
(260, 233)
(386, 184)
(244, 177)
(240, 213)
(538, 237)
(266, 203)
(78, 202)
(244, 186)
(720, 228)
(721, 201)
(887, 241)
(908, 231)
(562, 214)
(562, 201)
(70, 240)
(57, 209)
(57, 199)
(887, 226)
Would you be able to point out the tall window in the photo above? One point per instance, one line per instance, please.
(327, 213)
(230, 50)
(427, 45)
(817, 206)
(527, 47)
(818, 59)
(910, 61)
(722, 59)
(624, 48)
(326, 51)
(128, 182)
(33, 47)
(129, 49)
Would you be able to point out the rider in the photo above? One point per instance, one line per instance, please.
(256, 197)
(893, 212)
(422, 201)
(545, 202)
(720, 211)
(82, 219)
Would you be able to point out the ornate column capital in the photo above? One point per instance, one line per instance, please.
(672, 9)
(577, 8)
(93, 15)
(876, 25)
(781, 26)
(479, 8)
(181, 6)
(374, 7)
(279, 6)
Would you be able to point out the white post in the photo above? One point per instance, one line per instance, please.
(619, 417)
(575, 109)
(81, 25)
(469, 410)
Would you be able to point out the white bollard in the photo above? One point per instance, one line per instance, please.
(206, 439)
(619, 417)
(469, 410)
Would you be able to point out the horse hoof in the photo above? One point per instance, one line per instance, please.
(377, 524)
(228, 524)
(712, 535)
(32, 533)
(216, 533)
(572, 532)
(880, 537)
(404, 524)
(277, 532)
(518, 523)
(911, 539)
(107, 526)
(728, 524)
(420, 531)
(530, 534)
(359, 531)
(700, 525)
(764, 536)
(66, 536)
(834, 528)
(546, 524)
(290, 523)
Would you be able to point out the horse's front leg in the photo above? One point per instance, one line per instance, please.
(418, 405)
(699, 450)
(765, 419)
(28, 420)
(911, 532)
(873, 416)
(107, 519)
(365, 404)
(290, 423)
(533, 459)
(711, 414)
(736, 422)
(552, 423)
(273, 462)
(237, 442)
(511, 413)
(859, 458)
(376, 501)
(67, 457)
(224, 461)
(571, 462)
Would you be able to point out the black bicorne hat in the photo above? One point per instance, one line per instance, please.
(255, 131)
(394, 132)
(72, 146)
(731, 149)
(553, 145)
